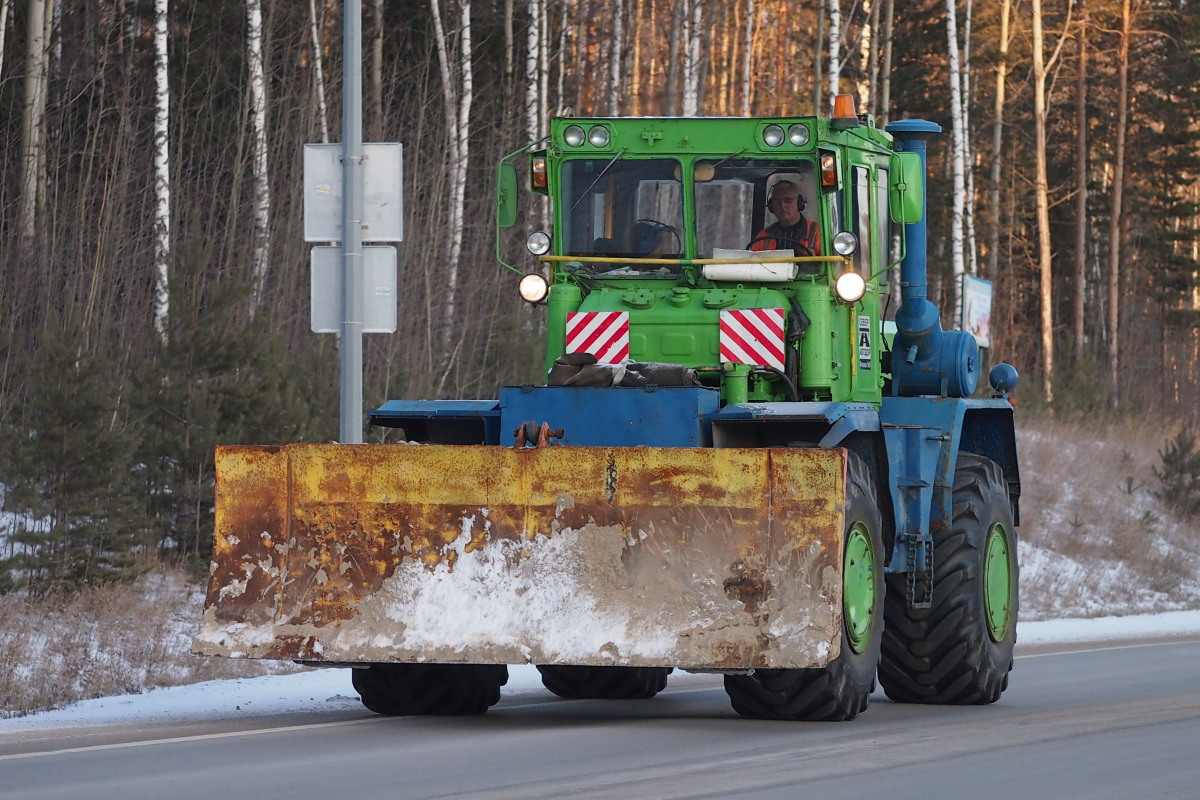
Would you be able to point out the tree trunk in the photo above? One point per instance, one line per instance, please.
(377, 71)
(617, 33)
(1041, 67)
(1081, 182)
(533, 45)
(318, 70)
(262, 185)
(33, 130)
(679, 23)
(972, 254)
(835, 50)
(998, 142)
(1114, 231)
(162, 173)
(885, 91)
(4, 6)
(748, 58)
(692, 66)
(958, 153)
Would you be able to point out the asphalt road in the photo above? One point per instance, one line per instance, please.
(1105, 722)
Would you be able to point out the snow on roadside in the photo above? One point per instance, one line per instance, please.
(330, 689)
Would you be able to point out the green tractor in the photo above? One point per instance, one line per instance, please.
(730, 468)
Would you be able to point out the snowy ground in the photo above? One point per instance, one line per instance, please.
(330, 690)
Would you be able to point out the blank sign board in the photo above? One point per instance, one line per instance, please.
(379, 289)
(383, 178)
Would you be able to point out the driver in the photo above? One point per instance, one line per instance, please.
(791, 227)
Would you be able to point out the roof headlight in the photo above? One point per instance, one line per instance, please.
(573, 135)
(798, 135)
(538, 243)
(773, 135)
(533, 288)
(598, 136)
(850, 287)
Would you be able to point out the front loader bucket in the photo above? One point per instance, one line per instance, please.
(725, 559)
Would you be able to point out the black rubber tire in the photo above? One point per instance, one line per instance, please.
(605, 683)
(430, 689)
(945, 654)
(841, 690)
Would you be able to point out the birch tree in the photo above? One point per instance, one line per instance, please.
(835, 49)
(958, 157)
(535, 113)
(998, 140)
(318, 68)
(1114, 229)
(4, 6)
(616, 46)
(885, 89)
(458, 81)
(692, 60)
(33, 129)
(752, 16)
(258, 123)
(1041, 68)
(162, 172)
(1081, 181)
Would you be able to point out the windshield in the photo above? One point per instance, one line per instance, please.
(757, 204)
(631, 208)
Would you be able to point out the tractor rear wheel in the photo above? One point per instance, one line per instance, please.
(605, 683)
(842, 689)
(430, 689)
(960, 650)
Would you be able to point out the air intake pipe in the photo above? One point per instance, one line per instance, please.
(925, 359)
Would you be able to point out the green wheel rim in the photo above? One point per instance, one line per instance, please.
(997, 582)
(858, 593)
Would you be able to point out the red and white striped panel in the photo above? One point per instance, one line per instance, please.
(604, 334)
(752, 336)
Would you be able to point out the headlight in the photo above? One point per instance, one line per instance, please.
(850, 287)
(573, 135)
(538, 243)
(845, 243)
(798, 135)
(533, 288)
(598, 136)
(773, 135)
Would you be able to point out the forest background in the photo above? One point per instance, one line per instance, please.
(154, 287)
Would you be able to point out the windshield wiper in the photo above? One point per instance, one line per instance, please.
(592, 185)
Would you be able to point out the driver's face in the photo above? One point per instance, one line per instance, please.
(784, 206)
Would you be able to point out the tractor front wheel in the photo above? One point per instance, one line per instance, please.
(960, 650)
(842, 689)
(429, 689)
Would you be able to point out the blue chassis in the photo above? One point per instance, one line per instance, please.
(920, 435)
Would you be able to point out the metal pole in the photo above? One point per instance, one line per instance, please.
(352, 204)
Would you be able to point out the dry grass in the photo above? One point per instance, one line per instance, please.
(1095, 540)
(103, 641)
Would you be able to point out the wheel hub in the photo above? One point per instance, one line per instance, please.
(858, 591)
(997, 582)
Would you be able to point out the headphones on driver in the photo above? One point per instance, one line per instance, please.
(800, 199)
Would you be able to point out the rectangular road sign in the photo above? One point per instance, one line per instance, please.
(383, 192)
(379, 289)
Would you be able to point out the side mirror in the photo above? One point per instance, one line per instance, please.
(506, 195)
(906, 189)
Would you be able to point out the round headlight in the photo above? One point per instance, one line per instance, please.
(773, 135)
(538, 243)
(798, 135)
(533, 288)
(850, 287)
(598, 136)
(845, 243)
(573, 135)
